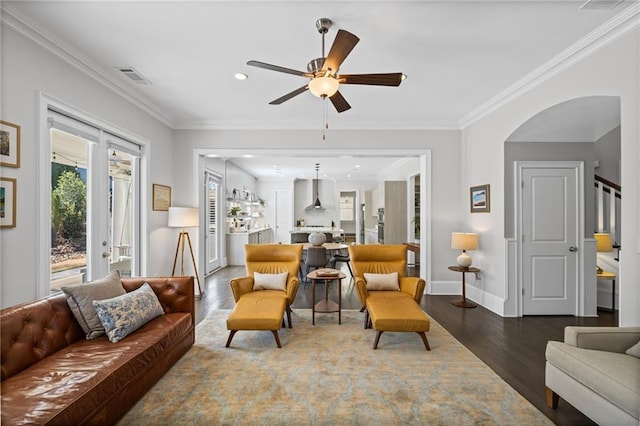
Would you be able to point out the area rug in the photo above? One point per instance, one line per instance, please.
(328, 374)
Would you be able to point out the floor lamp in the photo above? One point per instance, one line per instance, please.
(184, 217)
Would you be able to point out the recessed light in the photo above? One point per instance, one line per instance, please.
(247, 155)
(348, 176)
(357, 166)
(240, 76)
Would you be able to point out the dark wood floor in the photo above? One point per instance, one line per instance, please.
(512, 347)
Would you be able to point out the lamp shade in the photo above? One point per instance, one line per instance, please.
(464, 241)
(324, 86)
(183, 217)
(603, 242)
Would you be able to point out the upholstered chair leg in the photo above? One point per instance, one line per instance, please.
(366, 319)
(375, 343)
(289, 316)
(275, 334)
(552, 398)
(231, 334)
(424, 339)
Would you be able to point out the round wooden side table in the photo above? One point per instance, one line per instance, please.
(326, 305)
(463, 303)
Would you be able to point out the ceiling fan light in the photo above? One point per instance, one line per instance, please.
(324, 86)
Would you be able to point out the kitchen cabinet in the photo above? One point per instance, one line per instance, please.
(370, 236)
(395, 212)
(237, 240)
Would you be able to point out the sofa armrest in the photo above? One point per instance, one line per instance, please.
(610, 339)
(176, 294)
(413, 286)
(240, 286)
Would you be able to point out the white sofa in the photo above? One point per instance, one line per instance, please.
(592, 372)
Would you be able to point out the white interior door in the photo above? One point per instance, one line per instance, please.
(550, 229)
(284, 216)
(213, 231)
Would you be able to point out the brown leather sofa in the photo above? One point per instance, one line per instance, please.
(52, 375)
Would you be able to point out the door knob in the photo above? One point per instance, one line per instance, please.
(573, 248)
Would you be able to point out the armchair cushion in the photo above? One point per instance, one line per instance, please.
(382, 282)
(270, 281)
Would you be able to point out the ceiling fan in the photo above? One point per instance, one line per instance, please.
(323, 72)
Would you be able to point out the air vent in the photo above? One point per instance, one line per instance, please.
(600, 4)
(134, 75)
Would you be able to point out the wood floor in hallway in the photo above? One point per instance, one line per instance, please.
(512, 347)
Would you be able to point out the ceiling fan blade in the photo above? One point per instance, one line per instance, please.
(278, 68)
(389, 79)
(341, 47)
(289, 95)
(339, 102)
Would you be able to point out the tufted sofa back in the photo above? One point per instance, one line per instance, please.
(32, 331)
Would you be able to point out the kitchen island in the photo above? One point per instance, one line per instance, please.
(300, 234)
(237, 240)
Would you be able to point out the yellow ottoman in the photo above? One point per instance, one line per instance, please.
(257, 311)
(396, 311)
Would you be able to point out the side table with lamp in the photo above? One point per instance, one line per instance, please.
(605, 245)
(464, 241)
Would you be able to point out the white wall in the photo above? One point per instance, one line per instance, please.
(27, 68)
(445, 173)
(612, 70)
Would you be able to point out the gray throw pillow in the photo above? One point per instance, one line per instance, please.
(80, 299)
(634, 350)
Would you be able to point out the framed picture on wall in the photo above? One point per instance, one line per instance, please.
(7, 203)
(480, 199)
(9, 144)
(161, 197)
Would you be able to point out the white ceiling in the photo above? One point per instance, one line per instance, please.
(458, 55)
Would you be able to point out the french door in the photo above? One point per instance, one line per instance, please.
(94, 195)
(212, 233)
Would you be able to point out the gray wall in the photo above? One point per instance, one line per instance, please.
(607, 152)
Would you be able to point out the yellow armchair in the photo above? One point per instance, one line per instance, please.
(383, 259)
(270, 259)
(389, 310)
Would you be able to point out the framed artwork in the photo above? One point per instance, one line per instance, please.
(7, 203)
(480, 199)
(161, 197)
(9, 144)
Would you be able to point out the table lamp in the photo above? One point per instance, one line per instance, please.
(464, 241)
(184, 217)
(603, 245)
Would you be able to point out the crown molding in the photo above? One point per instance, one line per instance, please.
(208, 125)
(616, 27)
(19, 24)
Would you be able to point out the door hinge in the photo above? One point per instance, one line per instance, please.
(522, 184)
(523, 291)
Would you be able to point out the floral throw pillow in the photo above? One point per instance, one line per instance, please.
(124, 314)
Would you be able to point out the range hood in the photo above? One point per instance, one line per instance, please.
(315, 200)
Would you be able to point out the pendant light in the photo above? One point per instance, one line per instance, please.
(317, 204)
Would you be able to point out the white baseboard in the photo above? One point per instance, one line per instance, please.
(443, 288)
(475, 294)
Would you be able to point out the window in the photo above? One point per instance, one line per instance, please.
(347, 206)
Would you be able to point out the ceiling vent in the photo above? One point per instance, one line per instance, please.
(133, 74)
(600, 4)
